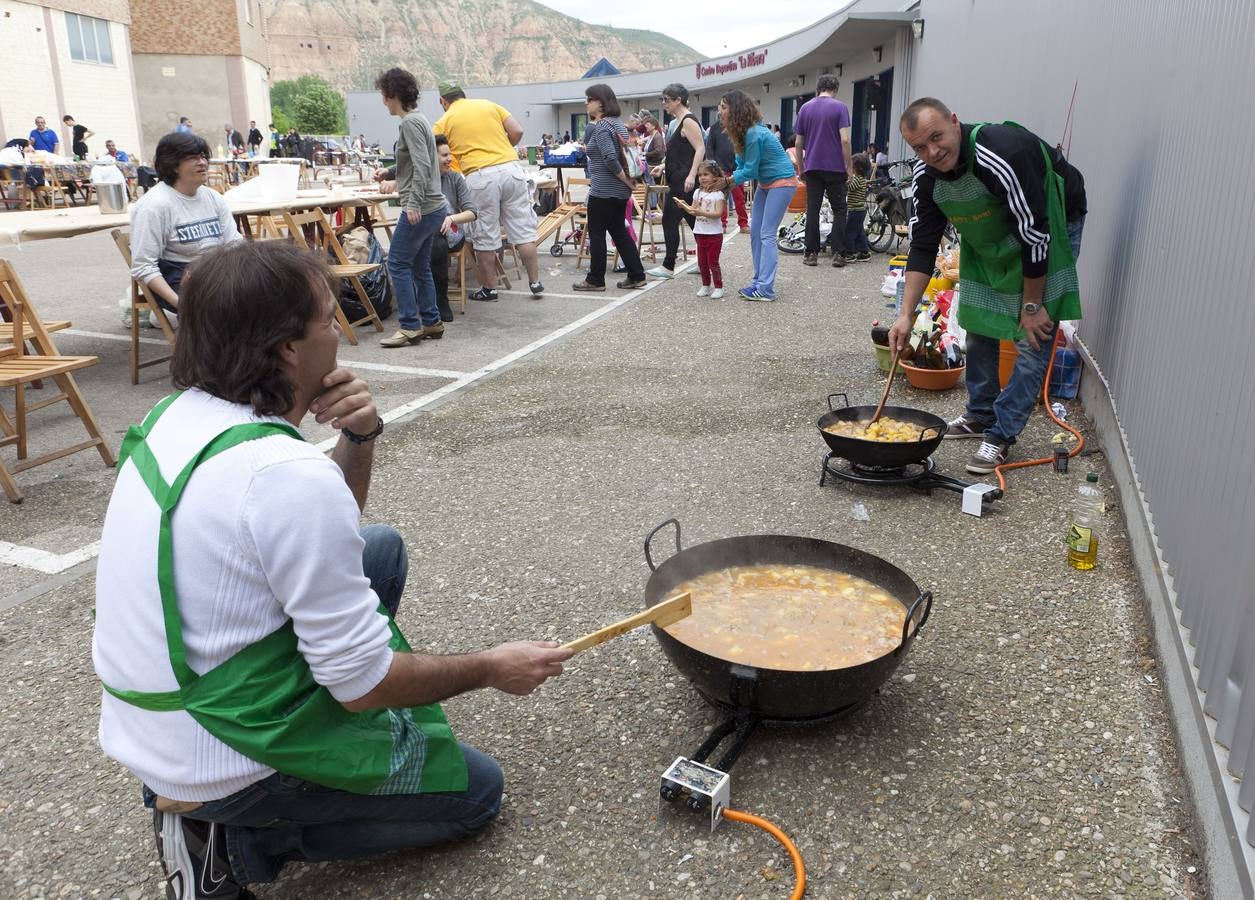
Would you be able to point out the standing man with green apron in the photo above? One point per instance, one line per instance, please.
(254, 678)
(1019, 208)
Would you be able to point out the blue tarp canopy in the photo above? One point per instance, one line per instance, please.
(601, 69)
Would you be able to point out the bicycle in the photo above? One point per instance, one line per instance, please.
(889, 213)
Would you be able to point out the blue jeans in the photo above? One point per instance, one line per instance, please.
(1004, 411)
(769, 208)
(281, 818)
(409, 267)
(855, 232)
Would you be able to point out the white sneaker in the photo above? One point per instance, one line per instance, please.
(716, 294)
(703, 291)
(660, 272)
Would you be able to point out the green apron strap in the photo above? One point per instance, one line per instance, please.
(167, 497)
(136, 433)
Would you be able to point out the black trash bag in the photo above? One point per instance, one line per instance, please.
(376, 284)
(146, 176)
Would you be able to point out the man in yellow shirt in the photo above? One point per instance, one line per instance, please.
(482, 137)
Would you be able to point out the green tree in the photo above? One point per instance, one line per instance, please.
(310, 104)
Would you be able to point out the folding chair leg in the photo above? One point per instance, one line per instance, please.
(371, 315)
(70, 388)
(345, 326)
(19, 415)
(10, 486)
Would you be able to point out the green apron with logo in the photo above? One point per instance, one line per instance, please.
(991, 272)
(263, 702)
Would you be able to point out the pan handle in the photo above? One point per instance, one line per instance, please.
(926, 599)
(923, 431)
(842, 396)
(649, 558)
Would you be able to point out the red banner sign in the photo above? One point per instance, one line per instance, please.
(751, 60)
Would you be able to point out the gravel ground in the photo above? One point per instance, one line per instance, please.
(1021, 749)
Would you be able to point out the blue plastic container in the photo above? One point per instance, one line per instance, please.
(1065, 377)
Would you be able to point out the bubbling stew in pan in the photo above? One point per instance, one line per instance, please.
(790, 617)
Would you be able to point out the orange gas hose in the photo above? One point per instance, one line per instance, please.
(1045, 399)
(799, 870)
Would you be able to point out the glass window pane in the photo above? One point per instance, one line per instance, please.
(76, 41)
(89, 40)
(103, 44)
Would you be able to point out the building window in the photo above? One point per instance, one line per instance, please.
(89, 39)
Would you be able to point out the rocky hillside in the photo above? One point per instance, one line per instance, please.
(475, 41)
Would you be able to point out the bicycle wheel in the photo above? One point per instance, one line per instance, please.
(879, 231)
(791, 244)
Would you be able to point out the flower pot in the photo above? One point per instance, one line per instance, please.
(884, 356)
(932, 379)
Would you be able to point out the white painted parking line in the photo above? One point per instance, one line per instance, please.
(586, 296)
(105, 336)
(42, 560)
(403, 370)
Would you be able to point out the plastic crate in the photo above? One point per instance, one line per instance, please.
(1065, 377)
(565, 159)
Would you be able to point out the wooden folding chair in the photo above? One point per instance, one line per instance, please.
(465, 256)
(143, 302)
(645, 223)
(323, 237)
(458, 260)
(379, 218)
(48, 192)
(18, 369)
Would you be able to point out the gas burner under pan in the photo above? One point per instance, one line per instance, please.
(921, 476)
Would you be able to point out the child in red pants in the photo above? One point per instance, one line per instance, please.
(708, 206)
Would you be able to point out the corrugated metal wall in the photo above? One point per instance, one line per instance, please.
(1163, 131)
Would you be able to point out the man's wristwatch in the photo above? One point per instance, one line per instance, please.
(363, 438)
(1031, 309)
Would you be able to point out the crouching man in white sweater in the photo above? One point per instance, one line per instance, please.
(254, 678)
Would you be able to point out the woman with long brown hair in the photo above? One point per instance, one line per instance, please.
(759, 157)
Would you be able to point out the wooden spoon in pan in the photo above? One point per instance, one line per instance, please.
(893, 368)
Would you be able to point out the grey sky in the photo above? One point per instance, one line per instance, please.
(712, 28)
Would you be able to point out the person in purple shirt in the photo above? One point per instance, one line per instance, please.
(821, 136)
(42, 137)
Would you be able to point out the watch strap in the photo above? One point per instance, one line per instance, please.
(363, 438)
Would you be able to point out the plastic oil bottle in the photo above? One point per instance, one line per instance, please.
(1083, 532)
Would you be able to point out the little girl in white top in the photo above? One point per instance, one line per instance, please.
(708, 205)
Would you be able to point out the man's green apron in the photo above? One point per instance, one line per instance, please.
(263, 702)
(991, 273)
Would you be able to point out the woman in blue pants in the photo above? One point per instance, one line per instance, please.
(759, 157)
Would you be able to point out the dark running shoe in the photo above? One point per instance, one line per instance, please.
(487, 295)
(963, 427)
(194, 858)
(988, 457)
(838, 260)
(537, 288)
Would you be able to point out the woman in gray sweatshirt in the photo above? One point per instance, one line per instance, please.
(417, 174)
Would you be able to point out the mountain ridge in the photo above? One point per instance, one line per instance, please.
(349, 42)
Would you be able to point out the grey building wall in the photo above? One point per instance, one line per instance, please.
(1159, 127)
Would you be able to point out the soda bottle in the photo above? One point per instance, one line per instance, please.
(1083, 532)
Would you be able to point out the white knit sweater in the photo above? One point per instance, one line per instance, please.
(266, 531)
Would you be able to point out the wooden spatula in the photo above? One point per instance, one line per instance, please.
(893, 368)
(661, 614)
